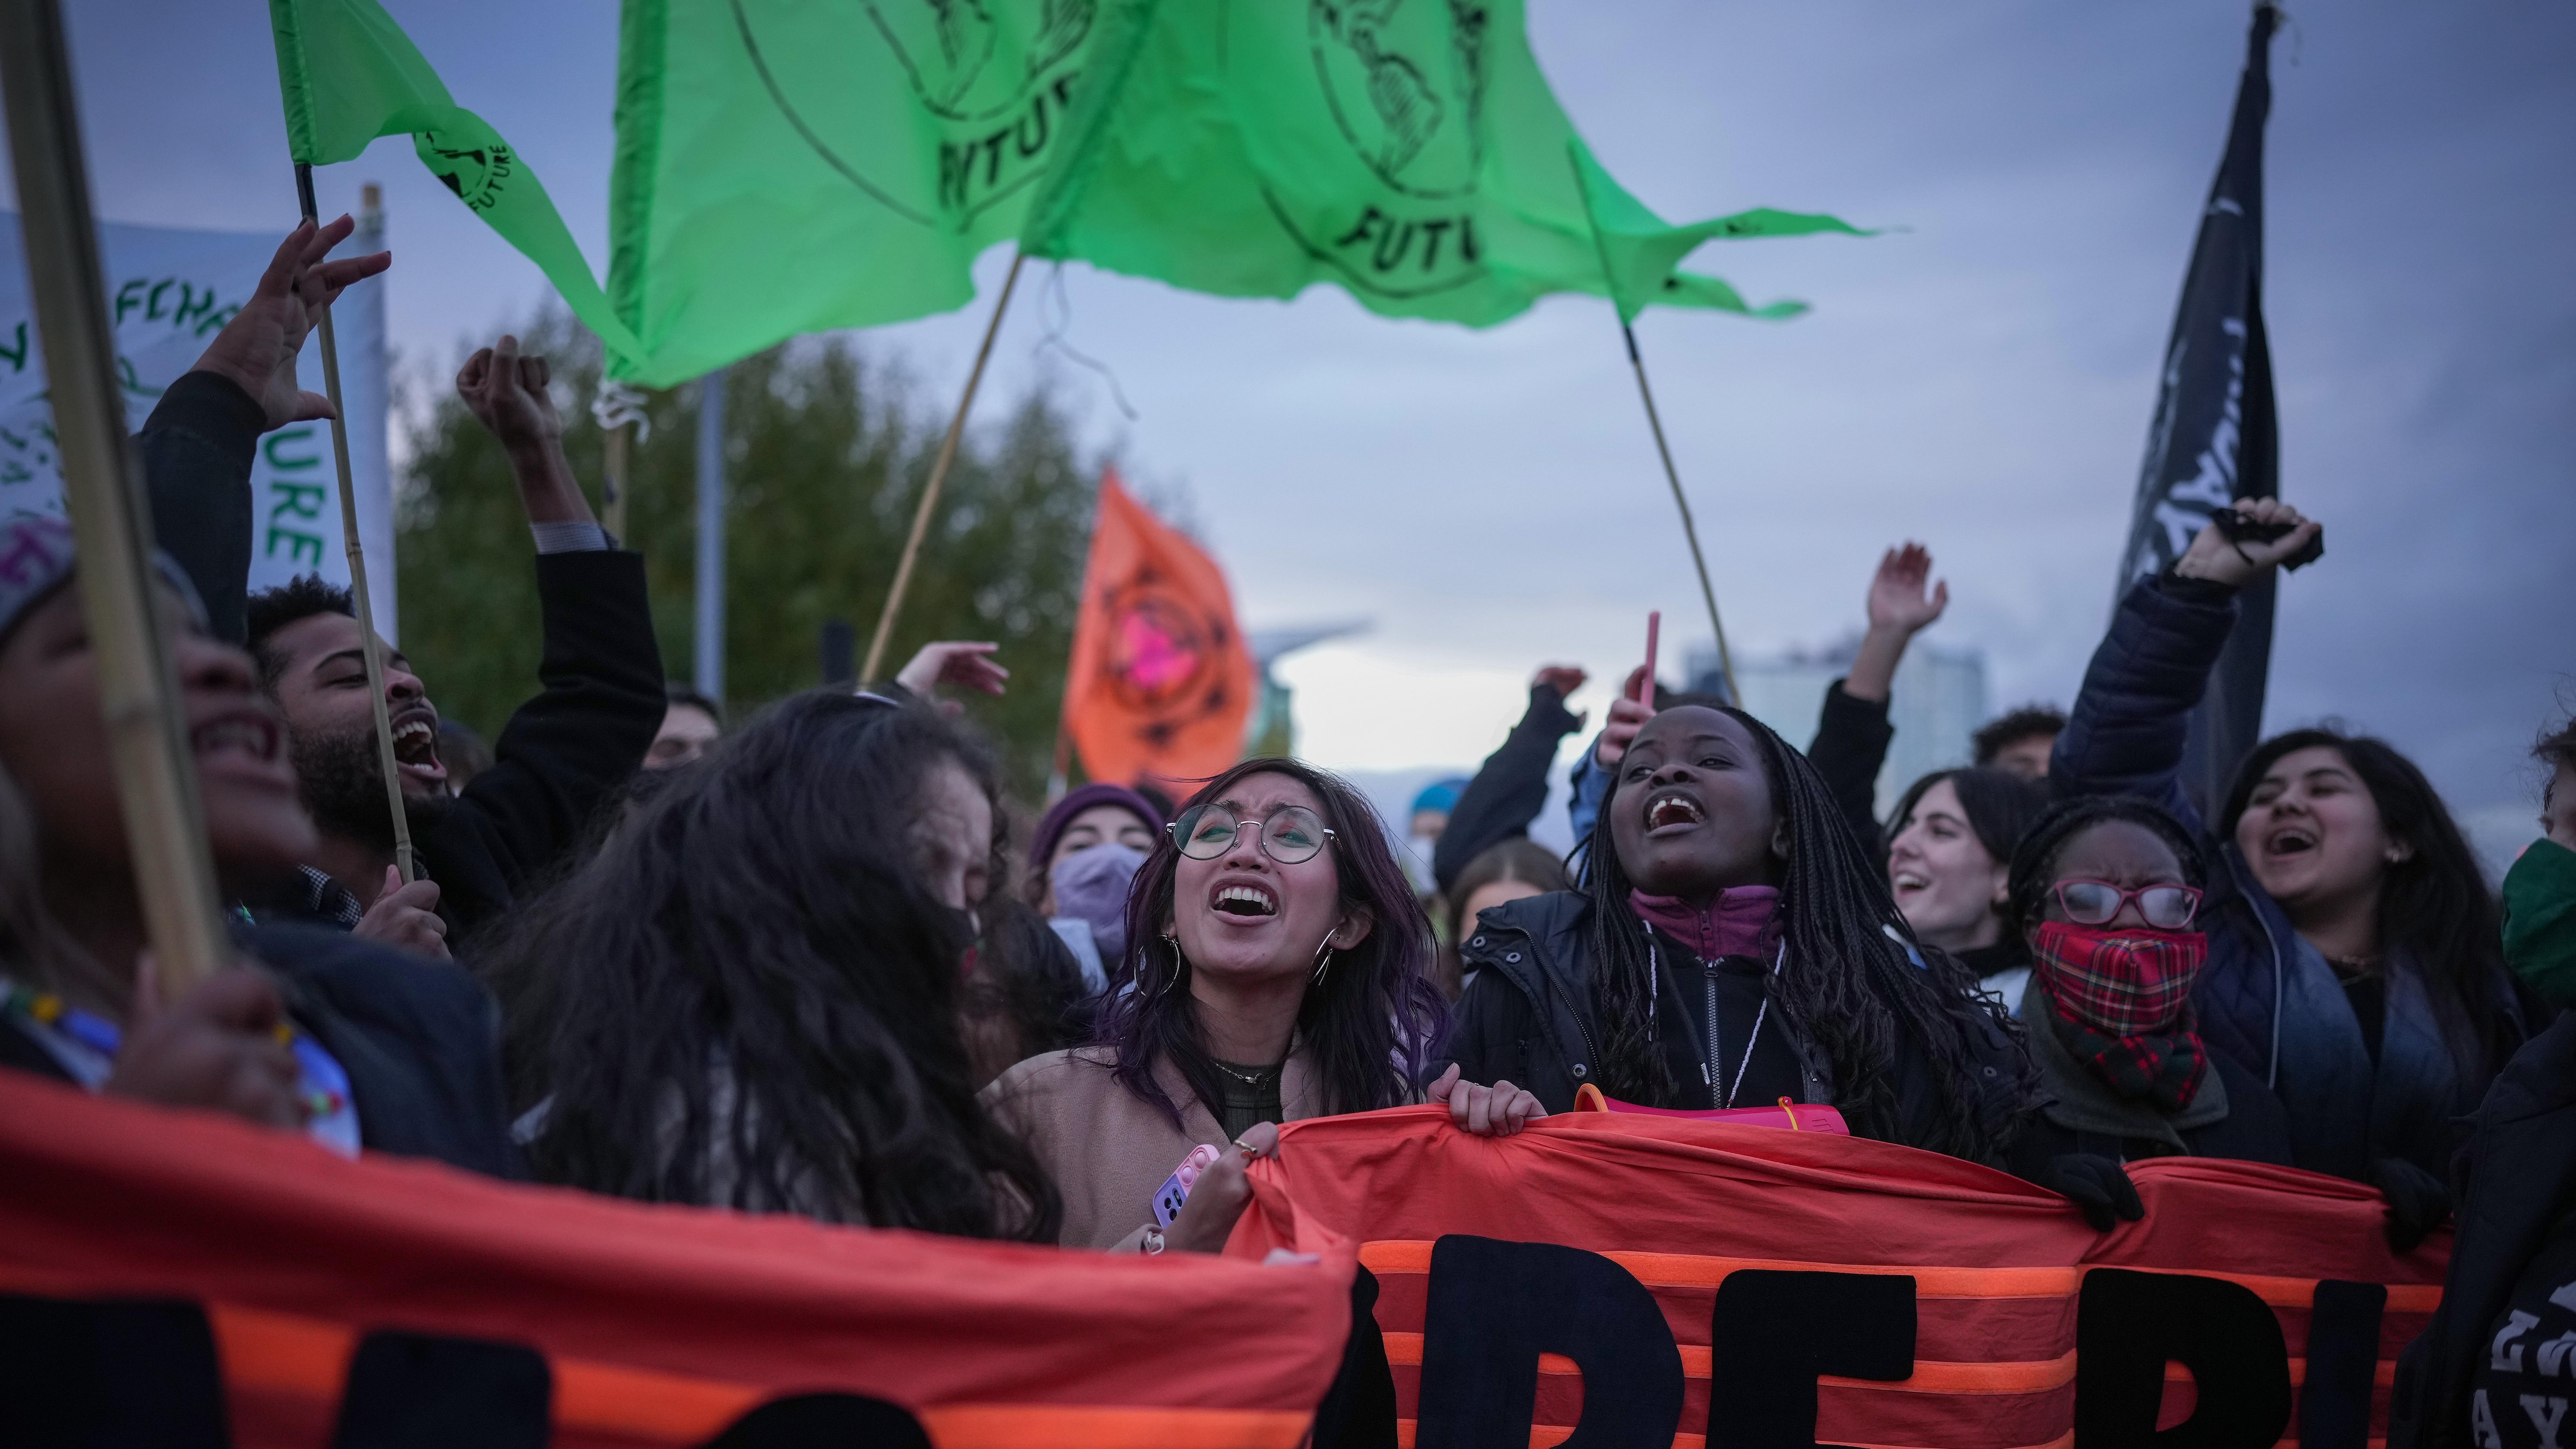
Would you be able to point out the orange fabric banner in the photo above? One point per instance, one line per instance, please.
(1804, 1288)
(656, 1325)
(1161, 683)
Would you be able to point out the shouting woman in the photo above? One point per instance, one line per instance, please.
(1733, 945)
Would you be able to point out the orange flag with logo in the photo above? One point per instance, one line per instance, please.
(1161, 683)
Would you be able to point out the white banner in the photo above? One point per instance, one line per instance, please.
(168, 293)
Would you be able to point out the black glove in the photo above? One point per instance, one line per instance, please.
(2417, 1201)
(2099, 1185)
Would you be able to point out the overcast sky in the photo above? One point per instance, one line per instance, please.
(1981, 380)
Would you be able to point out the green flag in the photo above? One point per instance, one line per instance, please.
(1411, 153)
(786, 166)
(348, 74)
(1639, 251)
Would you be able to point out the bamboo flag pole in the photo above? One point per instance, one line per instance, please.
(138, 686)
(938, 475)
(358, 566)
(1690, 530)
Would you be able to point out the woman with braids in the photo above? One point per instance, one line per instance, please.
(1276, 970)
(2105, 895)
(750, 996)
(2353, 952)
(1733, 945)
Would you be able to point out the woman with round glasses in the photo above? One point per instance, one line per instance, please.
(2106, 890)
(1276, 969)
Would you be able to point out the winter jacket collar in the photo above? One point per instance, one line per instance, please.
(2085, 1103)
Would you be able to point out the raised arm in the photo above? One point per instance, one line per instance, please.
(1852, 733)
(2125, 734)
(1511, 787)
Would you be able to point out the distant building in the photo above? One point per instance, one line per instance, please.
(1937, 701)
(1270, 732)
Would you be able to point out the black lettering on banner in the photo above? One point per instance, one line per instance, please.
(16, 350)
(130, 1375)
(1431, 231)
(427, 1390)
(1358, 1411)
(2128, 1325)
(1771, 1333)
(1495, 1306)
(813, 1421)
(2343, 1356)
(1020, 138)
(1360, 230)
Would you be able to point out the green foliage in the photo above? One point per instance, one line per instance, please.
(825, 460)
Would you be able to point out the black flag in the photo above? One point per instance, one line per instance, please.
(2214, 439)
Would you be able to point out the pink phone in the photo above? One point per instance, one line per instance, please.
(1654, 630)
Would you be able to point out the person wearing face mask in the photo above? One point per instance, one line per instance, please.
(1276, 973)
(1084, 853)
(2105, 893)
(1733, 945)
(1950, 846)
(2489, 1371)
(751, 996)
(351, 1042)
(2354, 963)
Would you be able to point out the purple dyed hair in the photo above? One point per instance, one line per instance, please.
(1369, 1028)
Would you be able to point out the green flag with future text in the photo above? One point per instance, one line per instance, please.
(788, 166)
(1409, 151)
(348, 74)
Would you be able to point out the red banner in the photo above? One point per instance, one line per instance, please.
(638, 1325)
(1647, 1277)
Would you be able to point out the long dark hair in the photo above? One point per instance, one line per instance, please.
(752, 969)
(1368, 1027)
(2436, 915)
(1851, 986)
(1999, 804)
(2034, 863)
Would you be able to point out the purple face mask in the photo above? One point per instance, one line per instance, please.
(1092, 886)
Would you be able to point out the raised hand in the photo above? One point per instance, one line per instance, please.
(507, 394)
(257, 348)
(968, 666)
(1565, 679)
(1628, 714)
(2221, 560)
(1897, 598)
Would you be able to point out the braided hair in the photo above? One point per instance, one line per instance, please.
(1851, 987)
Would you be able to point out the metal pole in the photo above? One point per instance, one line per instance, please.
(138, 687)
(938, 475)
(710, 670)
(1690, 530)
(357, 551)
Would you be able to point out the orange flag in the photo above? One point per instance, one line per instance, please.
(1161, 683)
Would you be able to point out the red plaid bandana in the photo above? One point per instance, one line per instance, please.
(2120, 983)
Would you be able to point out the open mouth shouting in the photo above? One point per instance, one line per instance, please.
(1672, 811)
(1245, 901)
(1908, 882)
(2285, 842)
(416, 747)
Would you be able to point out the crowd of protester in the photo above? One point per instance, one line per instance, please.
(794, 963)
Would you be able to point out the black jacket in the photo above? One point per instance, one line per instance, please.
(562, 752)
(2266, 998)
(1851, 742)
(420, 1041)
(2514, 1182)
(1530, 1018)
(1509, 789)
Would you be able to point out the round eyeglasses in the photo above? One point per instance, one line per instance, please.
(2096, 902)
(1288, 835)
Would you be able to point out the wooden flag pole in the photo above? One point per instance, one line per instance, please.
(938, 475)
(138, 686)
(1690, 530)
(613, 486)
(358, 567)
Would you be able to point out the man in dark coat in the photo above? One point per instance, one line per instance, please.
(560, 755)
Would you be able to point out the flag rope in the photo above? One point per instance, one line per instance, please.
(1690, 530)
(358, 567)
(938, 476)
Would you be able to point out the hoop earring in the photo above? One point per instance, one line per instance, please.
(1180, 965)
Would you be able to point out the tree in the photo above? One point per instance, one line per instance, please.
(825, 461)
